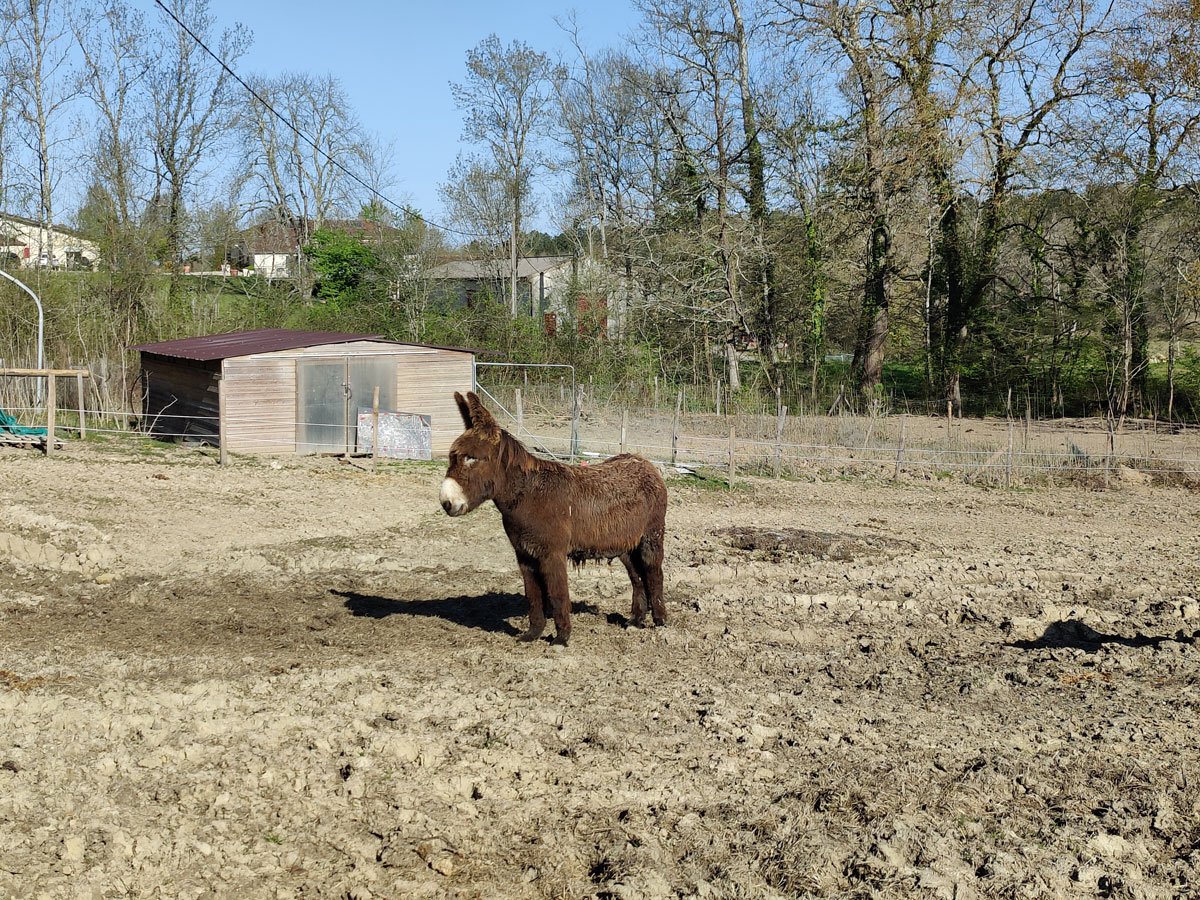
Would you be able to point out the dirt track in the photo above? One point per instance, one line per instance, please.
(301, 680)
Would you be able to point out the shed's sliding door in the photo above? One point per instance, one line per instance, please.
(329, 395)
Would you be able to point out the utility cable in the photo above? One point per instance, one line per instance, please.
(405, 210)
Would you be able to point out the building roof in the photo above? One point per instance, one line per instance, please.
(34, 223)
(273, 236)
(264, 340)
(481, 269)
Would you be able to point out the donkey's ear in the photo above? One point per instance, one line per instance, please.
(464, 409)
(480, 417)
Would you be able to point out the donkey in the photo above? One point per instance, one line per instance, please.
(552, 513)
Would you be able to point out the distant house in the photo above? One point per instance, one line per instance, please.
(268, 248)
(272, 248)
(26, 243)
(541, 281)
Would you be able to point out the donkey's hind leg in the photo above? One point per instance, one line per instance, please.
(648, 560)
(554, 571)
(638, 614)
(535, 593)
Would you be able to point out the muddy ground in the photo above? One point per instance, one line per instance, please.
(301, 679)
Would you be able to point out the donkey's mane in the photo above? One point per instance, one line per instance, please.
(514, 455)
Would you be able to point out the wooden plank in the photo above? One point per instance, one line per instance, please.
(223, 440)
(82, 373)
(79, 394)
(51, 404)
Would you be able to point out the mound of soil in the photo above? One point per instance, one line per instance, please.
(779, 544)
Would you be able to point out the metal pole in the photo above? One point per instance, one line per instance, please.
(41, 337)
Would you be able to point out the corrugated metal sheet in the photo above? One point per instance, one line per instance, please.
(265, 340)
(246, 343)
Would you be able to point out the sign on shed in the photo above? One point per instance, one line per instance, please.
(402, 435)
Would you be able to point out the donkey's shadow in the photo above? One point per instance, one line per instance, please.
(484, 612)
(1076, 635)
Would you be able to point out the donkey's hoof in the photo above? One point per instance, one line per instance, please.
(560, 640)
(639, 622)
(659, 621)
(531, 635)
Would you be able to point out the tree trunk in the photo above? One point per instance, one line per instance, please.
(873, 323)
(175, 242)
(732, 368)
(817, 317)
(1172, 349)
(512, 262)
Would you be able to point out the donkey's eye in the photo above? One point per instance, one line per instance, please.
(469, 461)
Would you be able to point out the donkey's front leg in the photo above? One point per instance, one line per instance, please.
(554, 571)
(535, 593)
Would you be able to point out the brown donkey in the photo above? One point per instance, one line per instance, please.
(554, 512)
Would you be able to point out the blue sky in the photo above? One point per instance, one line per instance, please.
(396, 60)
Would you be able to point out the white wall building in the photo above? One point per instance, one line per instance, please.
(28, 245)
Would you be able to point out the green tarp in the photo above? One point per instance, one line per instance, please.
(10, 425)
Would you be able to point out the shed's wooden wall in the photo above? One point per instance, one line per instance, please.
(426, 382)
(180, 397)
(261, 406)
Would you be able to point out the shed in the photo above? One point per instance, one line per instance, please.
(279, 391)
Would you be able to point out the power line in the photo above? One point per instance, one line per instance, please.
(405, 210)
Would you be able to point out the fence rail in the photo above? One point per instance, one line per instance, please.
(994, 451)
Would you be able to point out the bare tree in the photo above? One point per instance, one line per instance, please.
(612, 137)
(506, 97)
(699, 92)
(1144, 124)
(862, 34)
(479, 201)
(192, 109)
(42, 88)
(799, 142)
(1180, 303)
(113, 76)
(7, 98)
(304, 174)
(1025, 64)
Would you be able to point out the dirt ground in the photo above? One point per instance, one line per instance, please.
(301, 679)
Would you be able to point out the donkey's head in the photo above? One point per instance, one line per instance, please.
(476, 467)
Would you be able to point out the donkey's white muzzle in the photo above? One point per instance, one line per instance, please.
(454, 501)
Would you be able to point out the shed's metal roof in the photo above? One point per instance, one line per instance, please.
(483, 269)
(264, 340)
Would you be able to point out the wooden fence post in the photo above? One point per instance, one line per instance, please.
(1008, 465)
(520, 412)
(675, 427)
(732, 457)
(576, 411)
(779, 440)
(51, 405)
(375, 426)
(624, 423)
(81, 397)
(1028, 416)
(222, 439)
(900, 449)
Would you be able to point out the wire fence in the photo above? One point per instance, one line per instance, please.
(993, 451)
